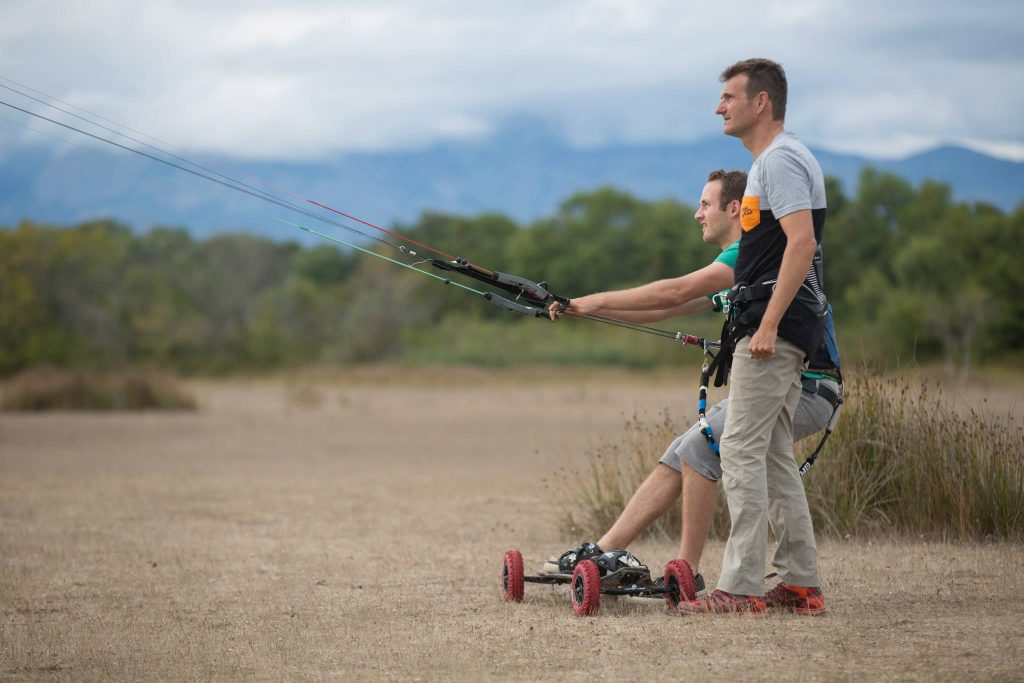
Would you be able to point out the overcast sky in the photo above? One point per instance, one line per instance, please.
(304, 78)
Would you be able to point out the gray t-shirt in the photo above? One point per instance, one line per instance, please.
(786, 178)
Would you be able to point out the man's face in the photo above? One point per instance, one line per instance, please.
(735, 108)
(715, 222)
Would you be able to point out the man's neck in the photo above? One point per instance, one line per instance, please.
(729, 240)
(760, 137)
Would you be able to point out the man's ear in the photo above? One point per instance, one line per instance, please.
(734, 208)
(762, 102)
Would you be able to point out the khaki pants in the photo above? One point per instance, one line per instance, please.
(760, 476)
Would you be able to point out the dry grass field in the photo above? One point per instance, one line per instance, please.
(353, 525)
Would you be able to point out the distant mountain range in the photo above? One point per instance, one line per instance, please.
(523, 172)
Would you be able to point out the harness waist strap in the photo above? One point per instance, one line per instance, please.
(746, 293)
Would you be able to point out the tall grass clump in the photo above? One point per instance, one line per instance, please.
(904, 459)
(42, 389)
(595, 494)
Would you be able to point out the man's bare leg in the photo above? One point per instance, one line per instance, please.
(651, 500)
(700, 496)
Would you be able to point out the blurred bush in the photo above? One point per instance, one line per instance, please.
(99, 295)
(42, 389)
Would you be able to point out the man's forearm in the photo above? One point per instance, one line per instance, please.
(656, 296)
(692, 307)
(663, 294)
(659, 295)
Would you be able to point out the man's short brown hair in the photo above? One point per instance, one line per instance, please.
(734, 184)
(764, 75)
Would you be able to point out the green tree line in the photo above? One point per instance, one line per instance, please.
(911, 274)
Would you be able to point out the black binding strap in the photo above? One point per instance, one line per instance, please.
(835, 397)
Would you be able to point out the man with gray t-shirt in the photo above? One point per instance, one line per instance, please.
(690, 466)
(776, 321)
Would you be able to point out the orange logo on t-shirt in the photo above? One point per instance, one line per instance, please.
(750, 212)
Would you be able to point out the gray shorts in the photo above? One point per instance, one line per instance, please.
(812, 415)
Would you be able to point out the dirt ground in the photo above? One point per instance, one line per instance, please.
(354, 526)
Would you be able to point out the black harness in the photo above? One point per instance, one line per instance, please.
(810, 385)
(747, 304)
(737, 326)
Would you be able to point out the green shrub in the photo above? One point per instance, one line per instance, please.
(40, 389)
(903, 459)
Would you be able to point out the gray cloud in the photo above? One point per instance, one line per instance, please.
(304, 79)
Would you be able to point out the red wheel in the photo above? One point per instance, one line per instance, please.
(680, 583)
(512, 576)
(585, 590)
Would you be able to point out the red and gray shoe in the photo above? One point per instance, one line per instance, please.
(720, 602)
(809, 601)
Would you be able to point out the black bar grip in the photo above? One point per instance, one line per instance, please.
(513, 306)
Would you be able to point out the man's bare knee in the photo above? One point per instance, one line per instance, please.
(662, 482)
